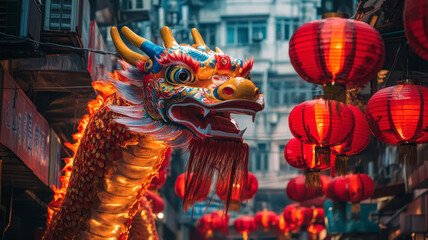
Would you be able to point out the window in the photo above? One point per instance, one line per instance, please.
(288, 93)
(283, 165)
(285, 27)
(262, 157)
(245, 32)
(139, 3)
(208, 33)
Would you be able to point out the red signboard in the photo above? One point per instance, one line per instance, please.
(23, 130)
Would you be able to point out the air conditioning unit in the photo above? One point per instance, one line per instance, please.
(70, 17)
(21, 18)
(258, 37)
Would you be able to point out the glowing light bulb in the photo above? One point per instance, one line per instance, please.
(160, 215)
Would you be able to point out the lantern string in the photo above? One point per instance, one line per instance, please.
(393, 66)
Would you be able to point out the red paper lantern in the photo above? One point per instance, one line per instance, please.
(245, 225)
(297, 190)
(324, 123)
(318, 215)
(283, 228)
(301, 216)
(180, 188)
(351, 188)
(265, 219)
(314, 231)
(337, 51)
(415, 25)
(220, 221)
(356, 142)
(302, 156)
(398, 115)
(157, 203)
(250, 191)
(204, 226)
(158, 181)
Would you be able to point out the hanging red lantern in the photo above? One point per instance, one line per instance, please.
(324, 123)
(157, 203)
(265, 219)
(337, 51)
(315, 231)
(318, 215)
(398, 115)
(283, 228)
(356, 142)
(245, 225)
(297, 189)
(301, 216)
(236, 198)
(205, 227)
(415, 22)
(220, 221)
(180, 189)
(302, 156)
(350, 188)
(158, 181)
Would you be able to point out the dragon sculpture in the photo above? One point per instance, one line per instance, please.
(177, 96)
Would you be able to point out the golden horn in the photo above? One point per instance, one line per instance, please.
(127, 54)
(218, 50)
(168, 38)
(132, 37)
(197, 37)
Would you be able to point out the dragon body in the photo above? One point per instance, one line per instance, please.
(176, 96)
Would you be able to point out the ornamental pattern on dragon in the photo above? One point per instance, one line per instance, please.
(176, 96)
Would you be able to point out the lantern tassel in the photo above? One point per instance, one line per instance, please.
(355, 211)
(322, 155)
(313, 178)
(235, 206)
(341, 165)
(407, 154)
(245, 236)
(335, 92)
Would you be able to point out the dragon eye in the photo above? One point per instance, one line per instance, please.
(248, 76)
(179, 75)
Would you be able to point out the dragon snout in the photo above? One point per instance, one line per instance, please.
(237, 89)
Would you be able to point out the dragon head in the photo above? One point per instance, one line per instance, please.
(187, 87)
(183, 93)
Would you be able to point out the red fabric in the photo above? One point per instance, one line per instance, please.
(359, 138)
(351, 188)
(251, 189)
(399, 114)
(298, 191)
(321, 122)
(158, 181)
(180, 187)
(337, 50)
(302, 156)
(301, 216)
(265, 218)
(158, 205)
(245, 224)
(416, 26)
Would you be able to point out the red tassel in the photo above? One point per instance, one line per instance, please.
(227, 159)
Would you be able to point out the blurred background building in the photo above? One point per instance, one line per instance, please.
(54, 82)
